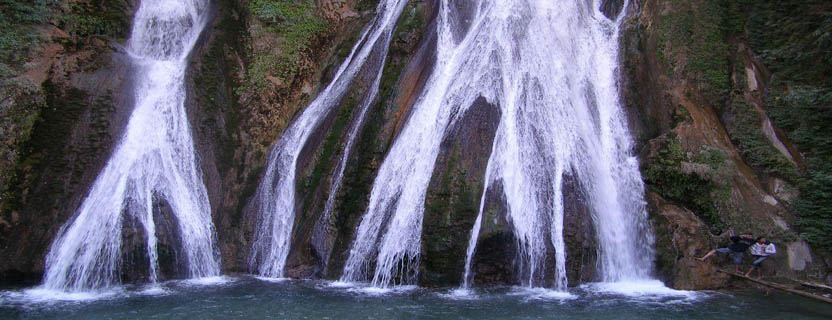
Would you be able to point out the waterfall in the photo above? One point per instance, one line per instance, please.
(155, 159)
(550, 66)
(275, 197)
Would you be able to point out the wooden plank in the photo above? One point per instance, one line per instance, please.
(816, 285)
(781, 287)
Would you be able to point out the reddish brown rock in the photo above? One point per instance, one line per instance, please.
(681, 237)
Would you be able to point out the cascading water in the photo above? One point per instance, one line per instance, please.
(155, 159)
(275, 198)
(550, 66)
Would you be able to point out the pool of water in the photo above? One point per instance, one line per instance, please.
(252, 298)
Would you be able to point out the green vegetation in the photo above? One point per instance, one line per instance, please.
(370, 147)
(20, 36)
(322, 168)
(18, 123)
(743, 126)
(34, 123)
(450, 211)
(96, 18)
(806, 112)
(20, 21)
(298, 25)
(46, 154)
(699, 192)
(19, 40)
(794, 38)
(697, 37)
(365, 5)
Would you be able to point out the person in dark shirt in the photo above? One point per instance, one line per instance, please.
(736, 250)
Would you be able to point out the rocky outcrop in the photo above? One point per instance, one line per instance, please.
(578, 234)
(242, 102)
(681, 237)
(321, 243)
(66, 107)
(245, 90)
(69, 116)
(453, 196)
(612, 8)
(496, 260)
(697, 94)
(711, 157)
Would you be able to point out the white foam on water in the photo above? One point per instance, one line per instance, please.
(380, 291)
(460, 294)
(350, 286)
(340, 284)
(542, 294)
(643, 289)
(272, 279)
(154, 290)
(41, 295)
(375, 291)
(206, 281)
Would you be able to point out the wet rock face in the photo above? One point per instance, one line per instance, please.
(81, 107)
(408, 66)
(454, 193)
(799, 255)
(169, 243)
(494, 260)
(578, 234)
(648, 112)
(681, 237)
(612, 8)
(315, 234)
(235, 123)
(135, 262)
(706, 97)
(321, 242)
(75, 88)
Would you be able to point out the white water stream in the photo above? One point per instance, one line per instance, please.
(275, 197)
(154, 159)
(550, 66)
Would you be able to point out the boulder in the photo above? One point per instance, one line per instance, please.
(681, 237)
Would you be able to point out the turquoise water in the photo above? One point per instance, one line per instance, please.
(250, 298)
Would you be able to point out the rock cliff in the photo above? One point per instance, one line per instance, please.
(708, 102)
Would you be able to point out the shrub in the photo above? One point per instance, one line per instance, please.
(19, 37)
(744, 126)
(298, 25)
(699, 34)
(794, 38)
(664, 175)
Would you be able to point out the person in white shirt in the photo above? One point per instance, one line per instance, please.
(761, 250)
